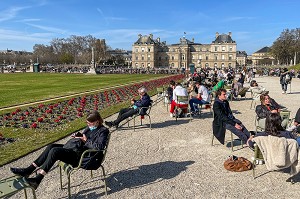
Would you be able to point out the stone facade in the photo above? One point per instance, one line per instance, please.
(241, 58)
(152, 53)
(263, 57)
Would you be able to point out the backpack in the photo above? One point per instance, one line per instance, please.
(237, 164)
(287, 78)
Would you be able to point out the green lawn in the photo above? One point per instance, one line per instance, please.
(29, 87)
(16, 88)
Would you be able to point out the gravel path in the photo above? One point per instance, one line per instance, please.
(176, 160)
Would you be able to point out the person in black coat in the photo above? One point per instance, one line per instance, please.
(94, 136)
(224, 119)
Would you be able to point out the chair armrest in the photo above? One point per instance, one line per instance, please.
(85, 153)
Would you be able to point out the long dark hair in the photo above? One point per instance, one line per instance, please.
(95, 116)
(273, 124)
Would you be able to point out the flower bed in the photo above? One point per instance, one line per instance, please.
(50, 116)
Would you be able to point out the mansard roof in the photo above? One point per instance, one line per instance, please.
(263, 50)
(223, 38)
(241, 54)
(146, 39)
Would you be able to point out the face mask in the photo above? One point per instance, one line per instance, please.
(92, 128)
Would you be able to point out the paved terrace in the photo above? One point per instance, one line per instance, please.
(176, 160)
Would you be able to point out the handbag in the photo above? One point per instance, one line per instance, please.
(237, 164)
(75, 144)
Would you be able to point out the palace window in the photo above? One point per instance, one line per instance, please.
(143, 58)
(143, 49)
(216, 48)
(216, 57)
(230, 48)
(136, 58)
(223, 57)
(149, 49)
(230, 57)
(148, 58)
(206, 58)
(223, 48)
(136, 50)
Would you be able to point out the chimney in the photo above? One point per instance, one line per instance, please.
(158, 39)
(229, 34)
(139, 35)
(193, 40)
(151, 36)
(217, 34)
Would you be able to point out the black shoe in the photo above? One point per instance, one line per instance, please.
(252, 132)
(33, 182)
(20, 172)
(109, 124)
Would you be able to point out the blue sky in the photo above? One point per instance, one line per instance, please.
(254, 24)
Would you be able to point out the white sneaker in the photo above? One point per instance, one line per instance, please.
(283, 92)
(171, 115)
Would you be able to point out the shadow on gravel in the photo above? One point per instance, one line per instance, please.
(145, 175)
(170, 123)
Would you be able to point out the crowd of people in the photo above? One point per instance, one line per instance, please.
(200, 88)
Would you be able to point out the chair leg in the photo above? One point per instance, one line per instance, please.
(25, 193)
(60, 178)
(69, 185)
(150, 122)
(253, 170)
(231, 141)
(104, 179)
(133, 123)
(92, 174)
(212, 140)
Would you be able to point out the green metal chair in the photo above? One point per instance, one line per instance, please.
(258, 156)
(12, 185)
(182, 100)
(144, 111)
(231, 141)
(69, 169)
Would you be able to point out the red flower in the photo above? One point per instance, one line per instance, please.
(33, 125)
(50, 107)
(18, 110)
(41, 105)
(49, 111)
(56, 120)
(13, 113)
(22, 118)
(40, 119)
(26, 113)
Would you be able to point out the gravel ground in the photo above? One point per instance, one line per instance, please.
(176, 160)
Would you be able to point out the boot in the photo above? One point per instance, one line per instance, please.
(24, 172)
(34, 182)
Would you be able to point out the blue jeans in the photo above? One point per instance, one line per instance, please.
(196, 101)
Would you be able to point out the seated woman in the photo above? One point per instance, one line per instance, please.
(267, 107)
(274, 128)
(94, 136)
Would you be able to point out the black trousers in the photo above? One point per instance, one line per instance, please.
(54, 152)
(125, 113)
(242, 134)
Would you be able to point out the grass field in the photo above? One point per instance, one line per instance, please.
(29, 87)
(19, 88)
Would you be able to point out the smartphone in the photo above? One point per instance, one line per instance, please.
(78, 134)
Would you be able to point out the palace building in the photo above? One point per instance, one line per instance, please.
(148, 52)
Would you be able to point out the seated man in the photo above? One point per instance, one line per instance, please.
(124, 113)
(224, 119)
(201, 98)
(178, 91)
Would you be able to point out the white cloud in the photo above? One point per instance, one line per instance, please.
(48, 28)
(229, 19)
(10, 13)
(28, 20)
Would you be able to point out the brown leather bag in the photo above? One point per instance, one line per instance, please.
(237, 164)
